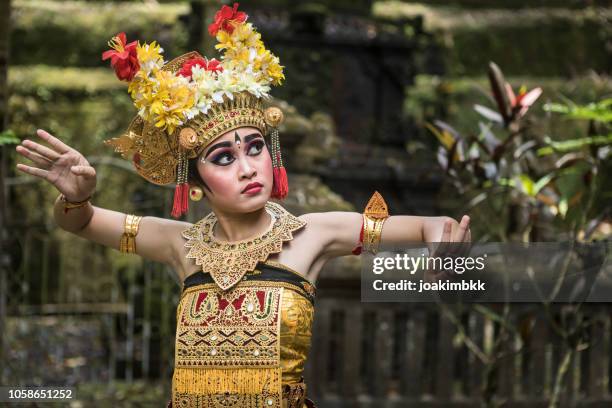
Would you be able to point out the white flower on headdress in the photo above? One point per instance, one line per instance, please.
(205, 84)
(227, 85)
(250, 81)
(205, 81)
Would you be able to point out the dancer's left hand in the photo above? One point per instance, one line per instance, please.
(450, 245)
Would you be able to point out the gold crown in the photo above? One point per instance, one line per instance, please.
(155, 154)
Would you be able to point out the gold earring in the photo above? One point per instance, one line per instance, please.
(195, 193)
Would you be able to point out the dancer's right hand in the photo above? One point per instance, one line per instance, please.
(60, 165)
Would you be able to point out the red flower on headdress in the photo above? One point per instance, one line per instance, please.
(208, 65)
(226, 19)
(124, 58)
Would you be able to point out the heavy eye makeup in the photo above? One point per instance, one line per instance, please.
(226, 157)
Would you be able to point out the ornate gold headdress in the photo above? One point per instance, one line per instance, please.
(188, 102)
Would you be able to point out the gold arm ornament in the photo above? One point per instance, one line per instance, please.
(374, 216)
(128, 238)
(69, 205)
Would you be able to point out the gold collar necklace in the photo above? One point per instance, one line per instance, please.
(228, 262)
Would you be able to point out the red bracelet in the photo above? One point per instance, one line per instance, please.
(359, 247)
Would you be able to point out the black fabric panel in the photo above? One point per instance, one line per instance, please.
(268, 273)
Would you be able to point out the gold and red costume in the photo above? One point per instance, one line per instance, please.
(244, 323)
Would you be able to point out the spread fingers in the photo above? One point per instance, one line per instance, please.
(57, 144)
(35, 157)
(40, 149)
(34, 171)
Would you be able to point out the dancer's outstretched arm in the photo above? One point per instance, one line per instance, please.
(339, 230)
(73, 176)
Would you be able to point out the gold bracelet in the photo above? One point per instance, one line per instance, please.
(69, 205)
(130, 230)
(374, 216)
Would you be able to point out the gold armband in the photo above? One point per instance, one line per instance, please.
(374, 216)
(128, 239)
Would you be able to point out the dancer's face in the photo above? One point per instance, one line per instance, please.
(232, 162)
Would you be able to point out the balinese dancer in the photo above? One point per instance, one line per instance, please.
(249, 267)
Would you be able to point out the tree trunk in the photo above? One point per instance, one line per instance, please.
(5, 19)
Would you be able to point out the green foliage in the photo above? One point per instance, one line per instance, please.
(533, 49)
(535, 41)
(519, 193)
(74, 33)
(8, 137)
(573, 144)
(519, 3)
(47, 81)
(452, 99)
(598, 111)
(507, 165)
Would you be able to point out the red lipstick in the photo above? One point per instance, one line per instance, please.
(252, 188)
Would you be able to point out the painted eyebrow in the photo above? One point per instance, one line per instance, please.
(218, 146)
(252, 136)
(247, 139)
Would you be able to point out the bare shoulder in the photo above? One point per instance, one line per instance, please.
(173, 232)
(171, 229)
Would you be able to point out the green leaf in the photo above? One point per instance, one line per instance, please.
(563, 207)
(541, 183)
(573, 144)
(503, 181)
(527, 184)
(570, 185)
(8, 137)
(598, 111)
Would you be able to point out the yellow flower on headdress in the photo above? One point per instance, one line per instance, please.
(144, 85)
(149, 56)
(141, 89)
(268, 64)
(171, 100)
(248, 36)
(244, 35)
(238, 58)
(275, 71)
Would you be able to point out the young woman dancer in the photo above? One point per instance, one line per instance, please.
(249, 267)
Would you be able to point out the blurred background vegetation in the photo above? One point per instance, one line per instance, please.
(367, 81)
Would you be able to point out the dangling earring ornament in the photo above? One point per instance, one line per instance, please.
(181, 203)
(188, 139)
(280, 187)
(195, 193)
